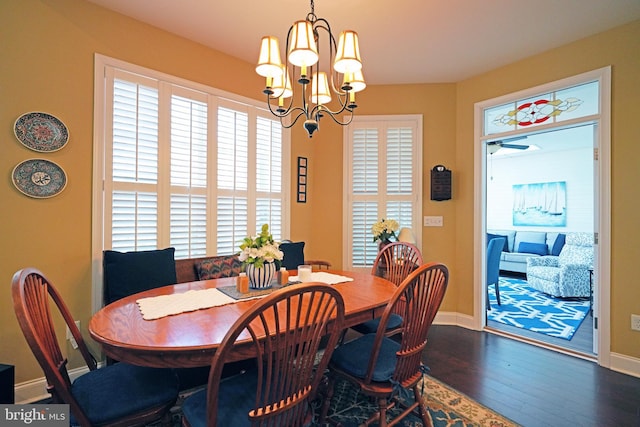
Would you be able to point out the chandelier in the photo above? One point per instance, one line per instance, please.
(320, 80)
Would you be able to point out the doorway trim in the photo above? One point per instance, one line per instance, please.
(602, 203)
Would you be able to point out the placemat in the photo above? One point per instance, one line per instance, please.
(253, 293)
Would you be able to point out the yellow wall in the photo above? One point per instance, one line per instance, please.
(46, 64)
(618, 48)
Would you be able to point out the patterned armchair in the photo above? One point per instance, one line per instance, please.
(565, 275)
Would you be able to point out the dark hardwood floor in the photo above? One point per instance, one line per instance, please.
(532, 386)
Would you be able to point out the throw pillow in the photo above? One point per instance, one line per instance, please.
(506, 240)
(293, 255)
(127, 273)
(217, 267)
(533, 248)
(558, 244)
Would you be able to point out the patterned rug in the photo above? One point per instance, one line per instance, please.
(526, 308)
(447, 408)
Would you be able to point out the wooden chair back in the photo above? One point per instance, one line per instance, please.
(31, 293)
(287, 376)
(421, 294)
(396, 261)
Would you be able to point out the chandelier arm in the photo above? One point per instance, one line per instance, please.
(293, 122)
(325, 112)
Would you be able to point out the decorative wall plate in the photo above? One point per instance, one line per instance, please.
(39, 178)
(41, 132)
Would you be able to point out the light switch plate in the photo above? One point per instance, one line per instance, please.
(433, 221)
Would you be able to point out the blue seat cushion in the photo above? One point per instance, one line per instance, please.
(118, 390)
(371, 326)
(236, 398)
(353, 357)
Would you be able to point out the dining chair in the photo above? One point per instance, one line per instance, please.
(385, 368)
(116, 395)
(394, 262)
(494, 252)
(279, 389)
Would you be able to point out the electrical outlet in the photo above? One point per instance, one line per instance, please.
(69, 336)
(635, 322)
(72, 340)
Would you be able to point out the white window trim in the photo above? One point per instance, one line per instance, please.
(101, 63)
(347, 219)
(602, 218)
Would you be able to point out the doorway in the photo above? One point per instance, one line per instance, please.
(556, 166)
(531, 117)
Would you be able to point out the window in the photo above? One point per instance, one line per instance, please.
(383, 170)
(183, 165)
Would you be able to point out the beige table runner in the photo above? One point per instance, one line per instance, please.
(166, 305)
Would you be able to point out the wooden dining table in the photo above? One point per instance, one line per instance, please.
(190, 339)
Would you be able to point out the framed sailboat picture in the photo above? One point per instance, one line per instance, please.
(540, 204)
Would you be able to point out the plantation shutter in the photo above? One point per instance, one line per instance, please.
(187, 168)
(383, 172)
(233, 158)
(189, 176)
(134, 161)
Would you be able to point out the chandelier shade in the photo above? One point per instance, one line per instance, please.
(355, 80)
(333, 78)
(282, 84)
(303, 51)
(320, 89)
(269, 63)
(348, 54)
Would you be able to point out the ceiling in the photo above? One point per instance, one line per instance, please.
(404, 41)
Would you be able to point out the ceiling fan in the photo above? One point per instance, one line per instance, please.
(494, 146)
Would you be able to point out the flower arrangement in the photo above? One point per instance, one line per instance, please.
(384, 230)
(259, 249)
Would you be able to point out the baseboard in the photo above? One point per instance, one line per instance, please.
(36, 390)
(625, 364)
(454, 319)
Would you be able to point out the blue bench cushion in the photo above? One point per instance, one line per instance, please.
(127, 273)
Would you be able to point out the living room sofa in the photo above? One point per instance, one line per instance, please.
(521, 245)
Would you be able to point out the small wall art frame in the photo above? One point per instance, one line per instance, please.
(540, 204)
(302, 179)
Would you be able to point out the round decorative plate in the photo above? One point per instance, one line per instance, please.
(41, 132)
(39, 178)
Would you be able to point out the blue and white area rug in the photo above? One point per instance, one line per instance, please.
(526, 308)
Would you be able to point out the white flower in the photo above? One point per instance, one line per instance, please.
(259, 249)
(384, 230)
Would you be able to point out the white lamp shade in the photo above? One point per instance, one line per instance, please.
(355, 80)
(406, 236)
(282, 86)
(348, 53)
(320, 89)
(269, 63)
(303, 50)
